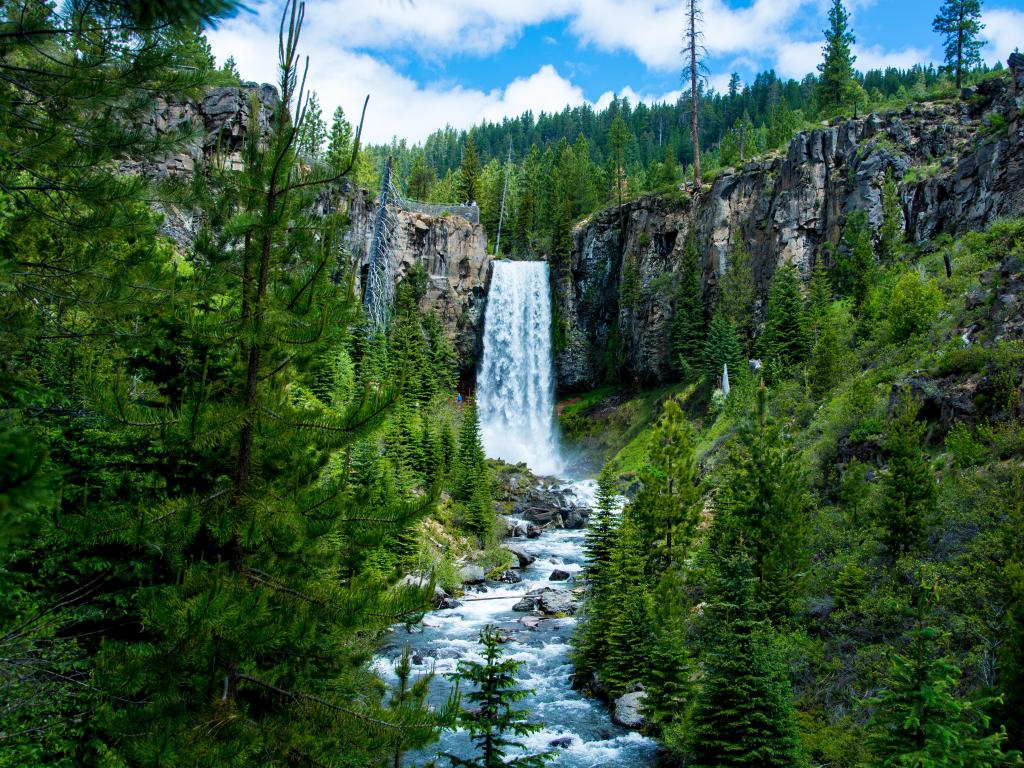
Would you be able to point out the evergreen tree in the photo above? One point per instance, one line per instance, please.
(670, 502)
(1011, 684)
(763, 510)
(688, 328)
(339, 142)
(618, 137)
(784, 340)
(827, 363)
(890, 236)
(836, 85)
(722, 348)
(409, 697)
(959, 23)
(312, 130)
(667, 683)
(626, 615)
(601, 530)
(908, 488)
(918, 718)
(819, 301)
(468, 184)
(492, 722)
(694, 51)
(742, 713)
(421, 178)
(737, 300)
(854, 271)
(470, 470)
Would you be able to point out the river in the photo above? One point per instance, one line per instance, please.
(581, 727)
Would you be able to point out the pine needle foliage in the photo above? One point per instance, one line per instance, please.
(688, 325)
(493, 723)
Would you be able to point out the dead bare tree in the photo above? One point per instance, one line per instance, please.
(694, 52)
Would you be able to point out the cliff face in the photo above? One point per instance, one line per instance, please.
(959, 166)
(452, 249)
(453, 252)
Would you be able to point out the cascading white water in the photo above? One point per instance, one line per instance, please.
(515, 384)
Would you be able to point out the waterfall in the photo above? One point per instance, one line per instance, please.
(515, 384)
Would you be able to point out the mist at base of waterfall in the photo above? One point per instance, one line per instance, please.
(516, 382)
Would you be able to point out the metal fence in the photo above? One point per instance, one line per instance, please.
(469, 212)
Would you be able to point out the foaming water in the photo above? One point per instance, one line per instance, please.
(580, 725)
(516, 384)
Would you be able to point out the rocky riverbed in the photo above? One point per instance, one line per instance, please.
(536, 614)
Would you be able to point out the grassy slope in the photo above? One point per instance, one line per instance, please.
(836, 650)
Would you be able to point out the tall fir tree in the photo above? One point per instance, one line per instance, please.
(763, 510)
(470, 471)
(669, 504)
(959, 23)
(908, 487)
(688, 326)
(743, 714)
(312, 129)
(890, 235)
(827, 359)
(722, 348)
(836, 84)
(468, 185)
(493, 723)
(855, 269)
(784, 341)
(738, 294)
(920, 720)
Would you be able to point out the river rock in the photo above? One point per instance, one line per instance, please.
(472, 574)
(525, 559)
(421, 580)
(448, 604)
(532, 532)
(628, 708)
(530, 622)
(525, 605)
(557, 601)
(562, 742)
(509, 577)
(559, 575)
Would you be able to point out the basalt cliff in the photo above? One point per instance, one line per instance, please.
(959, 165)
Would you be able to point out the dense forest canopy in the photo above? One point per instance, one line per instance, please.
(225, 486)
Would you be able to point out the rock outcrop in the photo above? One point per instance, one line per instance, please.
(959, 166)
(452, 251)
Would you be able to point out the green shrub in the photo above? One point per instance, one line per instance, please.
(868, 428)
(913, 306)
(964, 449)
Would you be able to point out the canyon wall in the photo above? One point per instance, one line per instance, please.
(959, 166)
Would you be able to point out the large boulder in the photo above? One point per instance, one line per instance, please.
(472, 574)
(525, 558)
(629, 710)
(559, 575)
(557, 602)
(525, 605)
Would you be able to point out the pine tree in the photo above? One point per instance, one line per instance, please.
(959, 23)
(763, 510)
(827, 363)
(236, 533)
(670, 503)
(890, 236)
(855, 268)
(784, 340)
(836, 84)
(688, 327)
(492, 722)
(908, 487)
(601, 530)
(918, 718)
(737, 300)
(409, 697)
(312, 130)
(618, 137)
(339, 142)
(421, 178)
(667, 683)
(468, 185)
(742, 714)
(626, 616)
(819, 300)
(470, 471)
(694, 51)
(1011, 656)
(722, 348)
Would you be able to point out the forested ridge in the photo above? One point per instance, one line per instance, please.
(224, 489)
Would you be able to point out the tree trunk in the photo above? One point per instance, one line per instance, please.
(693, 93)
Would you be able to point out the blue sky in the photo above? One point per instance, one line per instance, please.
(428, 63)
